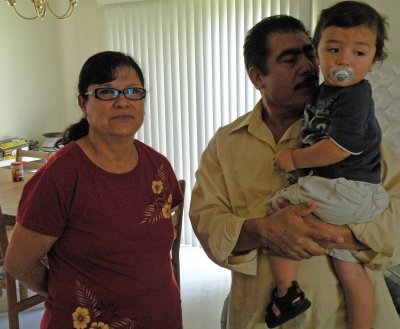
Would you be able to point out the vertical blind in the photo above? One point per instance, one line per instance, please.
(190, 52)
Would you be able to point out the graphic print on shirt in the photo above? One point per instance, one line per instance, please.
(159, 206)
(316, 121)
(90, 311)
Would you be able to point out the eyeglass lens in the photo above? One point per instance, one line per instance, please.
(111, 93)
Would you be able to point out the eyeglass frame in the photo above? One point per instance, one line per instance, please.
(142, 91)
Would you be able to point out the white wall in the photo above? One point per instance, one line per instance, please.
(40, 63)
(82, 35)
(39, 66)
(28, 69)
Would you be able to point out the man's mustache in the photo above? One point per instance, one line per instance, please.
(311, 80)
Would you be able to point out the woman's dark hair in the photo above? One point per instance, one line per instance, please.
(256, 48)
(98, 69)
(348, 14)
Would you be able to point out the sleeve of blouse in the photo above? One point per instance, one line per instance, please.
(177, 196)
(43, 205)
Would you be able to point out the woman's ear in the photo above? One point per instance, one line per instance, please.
(255, 77)
(82, 105)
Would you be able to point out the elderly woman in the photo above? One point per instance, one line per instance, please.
(100, 210)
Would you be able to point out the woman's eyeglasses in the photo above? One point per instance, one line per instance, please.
(109, 94)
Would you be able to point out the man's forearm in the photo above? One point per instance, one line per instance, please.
(350, 241)
(248, 238)
(285, 234)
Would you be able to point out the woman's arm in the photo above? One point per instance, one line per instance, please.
(24, 258)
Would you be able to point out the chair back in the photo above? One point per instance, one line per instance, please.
(31, 159)
(16, 303)
(177, 218)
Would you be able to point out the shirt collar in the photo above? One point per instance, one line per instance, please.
(252, 120)
(255, 125)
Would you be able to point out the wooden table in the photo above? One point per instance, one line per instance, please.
(10, 193)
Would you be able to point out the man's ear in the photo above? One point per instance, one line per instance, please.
(255, 77)
(82, 105)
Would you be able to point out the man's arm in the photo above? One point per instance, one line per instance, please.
(382, 233)
(376, 241)
(223, 233)
(285, 233)
(349, 239)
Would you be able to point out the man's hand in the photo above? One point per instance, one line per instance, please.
(283, 160)
(285, 233)
(349, 240)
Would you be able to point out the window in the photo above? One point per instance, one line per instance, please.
(190, 52)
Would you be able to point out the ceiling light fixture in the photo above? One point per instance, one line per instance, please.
(41, 6)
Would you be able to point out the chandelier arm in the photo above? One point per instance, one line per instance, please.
(40, 8)
(67, 14)
(22, 16)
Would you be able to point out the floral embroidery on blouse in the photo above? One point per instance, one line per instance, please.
(159, 206)
(81, 318)
(90, 311)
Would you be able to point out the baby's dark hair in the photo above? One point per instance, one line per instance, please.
(348, 14)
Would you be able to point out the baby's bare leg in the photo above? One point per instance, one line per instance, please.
(284, 271)
(359, 293)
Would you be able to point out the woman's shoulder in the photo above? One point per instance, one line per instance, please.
(59, 172)
(148, 155)
(149, 151)
(66, 155)
(63, 163)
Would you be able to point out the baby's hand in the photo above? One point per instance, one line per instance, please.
(283, 160)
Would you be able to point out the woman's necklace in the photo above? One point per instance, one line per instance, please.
(130, 158)
(92, 146)
(94, 149)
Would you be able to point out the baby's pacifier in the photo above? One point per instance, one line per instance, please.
(341, 73)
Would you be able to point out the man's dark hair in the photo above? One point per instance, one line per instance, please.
(348, 14)
(256, 49)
